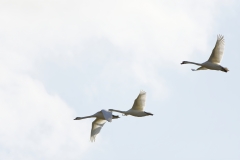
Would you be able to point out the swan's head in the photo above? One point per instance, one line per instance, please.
(184, 62)
(148, 114)
(224, 69)
(78, 118)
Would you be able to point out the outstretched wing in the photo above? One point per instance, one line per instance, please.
(97, 125)
(217, 52)
(200, 68)
(139, 102)
(107, 115)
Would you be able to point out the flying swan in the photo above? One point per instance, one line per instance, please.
(137, 108)
(101, 118)
(214, 60)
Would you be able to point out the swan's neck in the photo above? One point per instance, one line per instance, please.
(187, 62)
(79, 118)
(117, 111)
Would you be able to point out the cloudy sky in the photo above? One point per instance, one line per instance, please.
(60, 59)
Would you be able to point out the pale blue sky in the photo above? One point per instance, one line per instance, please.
(62, 59)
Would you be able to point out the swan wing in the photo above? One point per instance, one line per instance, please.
(218, 50)
(139, 102)
(107, 115)
(97, 125)
(200, 68)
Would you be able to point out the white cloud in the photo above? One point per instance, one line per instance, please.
(137, 38)
(147, 30)
(35, 124)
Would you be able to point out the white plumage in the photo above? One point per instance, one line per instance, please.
(137, 109)
(139, 102)
(213, 63)
(97, 125)
(101, 118)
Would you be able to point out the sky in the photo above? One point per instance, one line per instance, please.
(61, 59)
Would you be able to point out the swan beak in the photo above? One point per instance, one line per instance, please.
(182, 62)
(150, 114)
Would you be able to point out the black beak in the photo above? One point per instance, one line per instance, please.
(150, 114)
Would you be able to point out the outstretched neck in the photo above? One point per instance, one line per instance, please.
(117, 111)
(187, 62)
(79, 118)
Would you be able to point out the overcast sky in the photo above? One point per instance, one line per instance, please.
(60, 59)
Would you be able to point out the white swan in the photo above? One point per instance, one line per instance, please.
(214, 60)
(137, 108)
(101, 118)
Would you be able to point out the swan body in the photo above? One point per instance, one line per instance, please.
(137, 108)
(213, 63)
(101, 118)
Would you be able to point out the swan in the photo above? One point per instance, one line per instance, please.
(137, 108)
(101, 118)
(214, 60)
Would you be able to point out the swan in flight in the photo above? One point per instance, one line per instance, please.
(101, 118)
(137, 108)
(214, 60)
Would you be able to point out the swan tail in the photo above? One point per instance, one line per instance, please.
(115, 117)
(225, 69)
